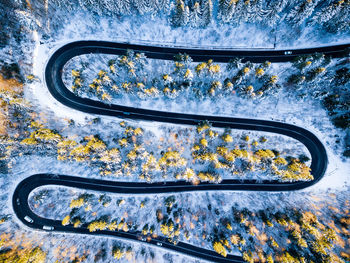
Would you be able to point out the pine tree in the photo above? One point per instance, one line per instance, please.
(255, 13)
(163, 4)
(196, 15)
(271, 13)
(242, 12)
(340, 22)
(207, 12)
(300, 13)
(122, 7)
(326, 13)
(181, 14)
(146, 6)
(64, 5)
(227, 8)
(88, 5)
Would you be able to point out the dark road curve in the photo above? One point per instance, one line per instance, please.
(53, 78)
(25, 187)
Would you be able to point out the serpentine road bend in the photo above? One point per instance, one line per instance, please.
(53, 78)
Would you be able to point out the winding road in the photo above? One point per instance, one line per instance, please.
(53, 78)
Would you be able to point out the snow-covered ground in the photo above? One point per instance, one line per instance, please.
(195, 215)
(316, 120)
(333, 189)
(306, 113)
(157, 30)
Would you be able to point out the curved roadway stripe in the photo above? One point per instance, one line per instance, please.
(53, 78)
(22, 209)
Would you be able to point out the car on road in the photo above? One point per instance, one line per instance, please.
(50, 228)
(288, 52)
(143, 239)
(159, 244)
(17, 201)
(28, 219)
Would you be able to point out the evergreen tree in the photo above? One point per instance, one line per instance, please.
(88, 5)
(163, 4)
(242, 12)
(201, 13)
(207, 12)
(255, 13)
(340, 22)
(180, 15)
(122, 7)
(146, 6)
(227, 9)
(196, 15)
(300, 13)
(327, 13)
(272, 13)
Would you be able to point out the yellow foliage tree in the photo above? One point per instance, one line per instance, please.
(219, 248)
(66, 220)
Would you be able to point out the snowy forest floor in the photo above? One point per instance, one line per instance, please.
(328, 199)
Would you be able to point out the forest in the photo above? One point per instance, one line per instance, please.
(39, 135)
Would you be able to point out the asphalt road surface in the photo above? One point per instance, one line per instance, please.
(22, 209)
(53, 78)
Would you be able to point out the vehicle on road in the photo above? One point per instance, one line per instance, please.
(28, 219)
(50, 228)
(17, 201)
(53, 77)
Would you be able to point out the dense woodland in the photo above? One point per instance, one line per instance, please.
(317, 77)
(317, 232)
(313, 227)
(332, 15)
(329, 15)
